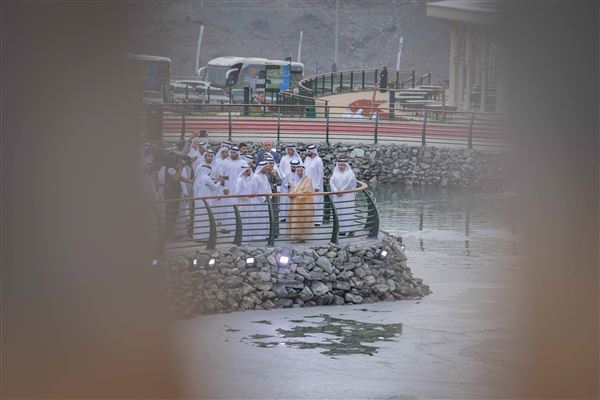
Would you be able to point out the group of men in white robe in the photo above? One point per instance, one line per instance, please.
(229, 171)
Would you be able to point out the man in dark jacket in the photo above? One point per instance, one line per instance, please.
(383, 79)
(268, 149)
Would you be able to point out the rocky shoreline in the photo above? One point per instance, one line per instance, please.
(413, 165)
(327, 274)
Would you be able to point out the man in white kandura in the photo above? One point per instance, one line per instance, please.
(292, 154)
(342, 179)
(209, 159)
(261, 185)
(250, 161)
(204, 186)
(185, 206)
(194, 153)
(246, 205)
(229, 171)
(222, 155)
(230, 168)
(287, 183)
(314, 169)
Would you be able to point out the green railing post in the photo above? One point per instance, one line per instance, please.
(315, 87)
(327, 122)
(331, 83)
(376, 125)
(376, 77)
(429, 78)
(323, 86)
(341, 82)
(362, 85)
(237, 240)
(351, 81)
(278, 124)
(470, 138)
(372, 222)
(272, 221)
(412, 78)
(336, 222)
(397, 78)
(327, 205)
(372, 216)
(424, 129)
(212, 236)
(229, 117)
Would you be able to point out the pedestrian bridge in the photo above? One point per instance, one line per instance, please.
(269, 219)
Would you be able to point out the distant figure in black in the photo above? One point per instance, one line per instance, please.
(383, 80)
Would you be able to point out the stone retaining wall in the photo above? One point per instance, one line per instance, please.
(415, 165)
(321, 275)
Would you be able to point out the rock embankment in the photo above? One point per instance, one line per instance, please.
(322, 275)
(414, 165)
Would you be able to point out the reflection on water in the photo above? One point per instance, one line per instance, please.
(333, 336)
(453, 224)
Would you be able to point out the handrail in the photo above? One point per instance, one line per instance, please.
(391, 73)
(212, 224)
(362, 186)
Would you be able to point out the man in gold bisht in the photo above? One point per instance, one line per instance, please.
(302, 206)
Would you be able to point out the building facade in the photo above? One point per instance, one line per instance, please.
(474, 78)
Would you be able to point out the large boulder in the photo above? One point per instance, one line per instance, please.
(318, 288)
(305, 294)
(353, 298)
(325, 264)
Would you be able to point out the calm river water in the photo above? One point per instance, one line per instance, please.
(455, 343)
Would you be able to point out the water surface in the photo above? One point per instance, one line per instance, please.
(455, 343)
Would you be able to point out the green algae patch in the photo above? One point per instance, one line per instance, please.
(333, 336)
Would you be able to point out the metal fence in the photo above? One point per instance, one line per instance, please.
(402, 123)
(265, 219)
(359, 80)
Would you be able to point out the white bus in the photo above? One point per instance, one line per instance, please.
(240, 72)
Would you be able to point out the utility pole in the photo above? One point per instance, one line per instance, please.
(198, 49)
(399, 53)
(300, 47)
(335, 43)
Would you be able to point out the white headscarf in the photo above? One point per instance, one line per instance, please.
(314, 150)
(244, 169)
(295, 152)
(261, 165)
(343, 180)
(202, 174)
(220, 152)
(203, 170)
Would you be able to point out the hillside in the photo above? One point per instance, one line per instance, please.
(368, 33)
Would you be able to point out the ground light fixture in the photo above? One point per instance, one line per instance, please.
(155, 262)
(212, 263)
(250, 262)
(283, 258)
(382, 254)
(196, 259)
(402, 246)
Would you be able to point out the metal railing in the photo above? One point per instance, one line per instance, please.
(265, 219)
(401, 122)
(359, 80)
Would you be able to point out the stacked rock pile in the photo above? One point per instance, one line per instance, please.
(327, 274)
